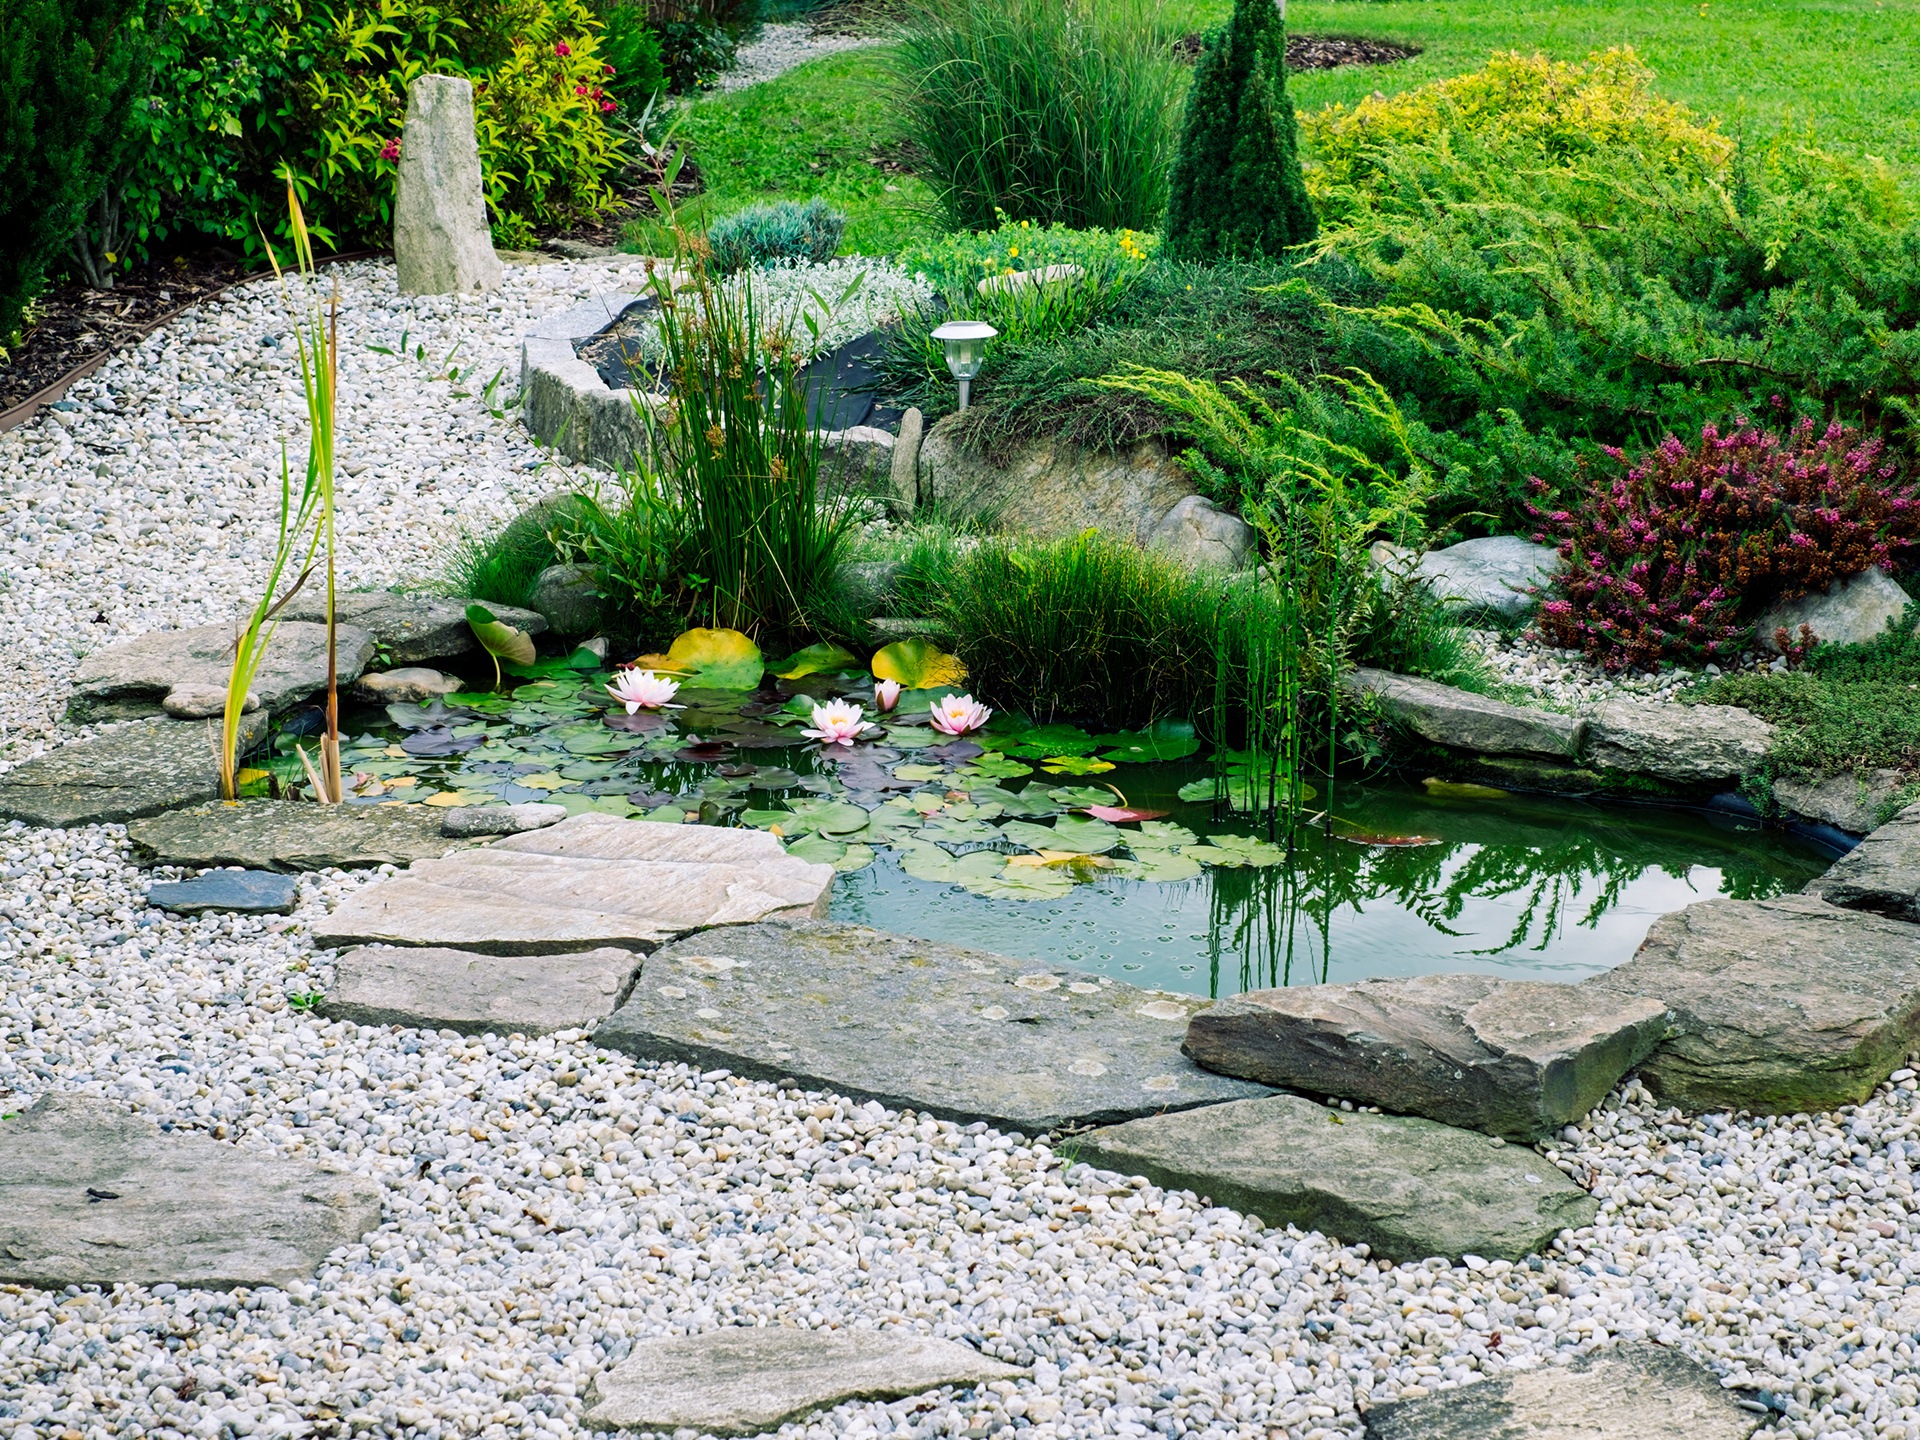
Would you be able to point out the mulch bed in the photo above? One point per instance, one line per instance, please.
(1321, 52)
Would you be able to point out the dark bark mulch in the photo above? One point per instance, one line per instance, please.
(1321, 52)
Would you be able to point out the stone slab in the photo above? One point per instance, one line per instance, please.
(242, 892)
(1516, 1058)
(461, 821)
(1852, 801)
(1491, 577)
(589, 881)
(1406, 1187)
(1685, 744)
(290, 836)
(1881, 874)
(1462, 720)
(148, 668)
(122, 774)
(750, 1380)
(409, 685)
(1779, 1006)
(91, 1195)
(409, 628)
(1633, 1391)
(460, 990)
(914, 1024)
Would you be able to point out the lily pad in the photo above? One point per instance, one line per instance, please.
(946, 830)
(994, 766)
(918, 664)
(1199, 791)
(1024, 883)
(1074, 833)
(1078, 797)
(1075, 765)
(1159, 835)
(930, 862)
(1234, 852)
(1162, 740)
(710, 659)
(920, 772)
(910, 737)
(815, 660)
(1162, 866)
(1042, 741)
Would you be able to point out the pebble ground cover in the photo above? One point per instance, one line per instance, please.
(548, 1202)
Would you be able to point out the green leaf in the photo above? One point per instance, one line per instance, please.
(1162, 740)
(858, 857)
(1025, 882)
(1159, 835)
(1200, 791)
(1075, 765)
(815, 660)
(1162, 866)
(1041, 741)
(710, 659)
(917, 664)
(930, 862)
(996, 767)
(945, 830)
(839, 819)
(911, 737)
(818, 850)
(1078, 833)
(499, 639)
(917, 772)
(1232, 852)
(1074, 797)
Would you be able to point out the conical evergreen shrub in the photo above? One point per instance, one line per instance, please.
(1236, 191)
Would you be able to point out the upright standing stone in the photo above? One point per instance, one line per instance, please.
(441, 243)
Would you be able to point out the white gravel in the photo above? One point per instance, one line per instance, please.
(778, 48)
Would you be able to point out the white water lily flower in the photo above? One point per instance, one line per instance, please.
(886, 695)
(838, 722)
(643, 690)
(958, 714)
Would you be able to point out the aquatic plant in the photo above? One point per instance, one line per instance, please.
(838, 722)
(958, 714)
(642, 690)
(886, 695)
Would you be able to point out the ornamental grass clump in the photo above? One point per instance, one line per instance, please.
(1672, 560)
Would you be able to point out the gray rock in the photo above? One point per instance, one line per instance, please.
(1685, 744)
(243, 892)
(122, 774)
(885, 629)
(568, 596)
(204, 702)
(1779, 1006)
(410, 629)
(459, 821)
(868, 584)
(1514, 1058)
(1198, 532)
(146, 669)
(1465, 721)
(1854, 802)
(859, 459)
(290, 836)
(748, 1380)
(917, 1025)
(175, 1209)
(1633, 1391)
(903, 474)
(459, 990)
(563, 400)
(413, 684)
(1492, 577)
(1408, 1188)
(1851, 612)
(441, 242)
(1881, 874)
(1013, 280)
(589, 881)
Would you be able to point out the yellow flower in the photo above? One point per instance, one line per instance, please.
(1014, 252)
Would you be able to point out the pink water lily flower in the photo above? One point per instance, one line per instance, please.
(958, 714)
(643, 690)
(886, 695)
(838, 722)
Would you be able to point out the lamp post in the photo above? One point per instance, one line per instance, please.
(966, 343)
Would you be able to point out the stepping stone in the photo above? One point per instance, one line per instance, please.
(749, 1380)
(243, 892)
(146, 670)
(1408, 1188)
(465, 820)
(917, 1025)
(1880, 874)
(1779, 1006)
(91, 1195)
(1462, 720)
(591, 880)
(1631, 1392)
(1684, 744)
(411, 629)
(290, 836)
(122, 774)
(437, 989)
(1516, 1058)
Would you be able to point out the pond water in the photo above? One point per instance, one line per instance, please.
(987, 841)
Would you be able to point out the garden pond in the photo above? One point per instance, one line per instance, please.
(1022, 840)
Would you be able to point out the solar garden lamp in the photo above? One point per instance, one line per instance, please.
(966, 344)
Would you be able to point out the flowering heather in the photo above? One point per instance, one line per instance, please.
(1674, 557)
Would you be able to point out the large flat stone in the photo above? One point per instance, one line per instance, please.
(409, 628)
(149, 668)
(290, 835)
(1685, 744)
(915, 1024)
(122, 774)
(459, 990)
(91, 1195)
(750, 1380)
(1881, 874)
(1465, 721)
(1408, 1188)
(1779, 1006)
(589, 881)
(238, 892)
(1633, 1391)
(1510, 1057)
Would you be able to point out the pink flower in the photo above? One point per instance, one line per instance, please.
(886, 695)
(391, 150)
(562, 48)
(958, 714)
(607, 107)
(579, 89)
(643, 690)
(838, 722)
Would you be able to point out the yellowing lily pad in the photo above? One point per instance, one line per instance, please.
(917, 664)
(712, 659)
(1074, 765)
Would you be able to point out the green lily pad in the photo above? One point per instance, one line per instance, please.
(1029, 804)
(945, 830)
(995, 766)
(1078, 797)
(815, 660)
(839, 819)
(1078, 833)
(1075, 765)
(1233, 852)
(578, 804)
(920, 772)
(1198, 791)
(1025, 882)
(1041, 741)
(499, 639)
(710, 659)
(600, 742)
(1163, 866)
(930, 862)
(911, 737)
(918, 664)
(818, 850)
(1159, 835)
(664, 815)
(1162, 740)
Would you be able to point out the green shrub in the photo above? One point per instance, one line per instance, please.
(1043, 110)
(761, 234)
(69, 70)
(1236, 190)
(501, 569)
(972, 255)
(693, 53)
(633, 49)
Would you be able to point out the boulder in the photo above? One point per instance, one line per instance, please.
(442, 244)
(1881, 874)
(1851, 612)
(1515, 1058)
(568, 597)
(409, 629)
(413, 684)
(1407, 1188)
(750, 1380)
(162, 661)
(903, 471)
(460, 821)
(1631, 1391)
(1778, 1006)
(435, 989)
(858, 459)
(91, 1195)
(1684, 744)
(204, 702)
(1854, 802)
(917, 1025)
(1462, 720)
(1491, 578)
(290, 836)
(1199, 533)
(867, 585)
(589, 881)
(122, 774)
(239, 892)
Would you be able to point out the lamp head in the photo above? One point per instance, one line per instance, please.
(966, 345)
